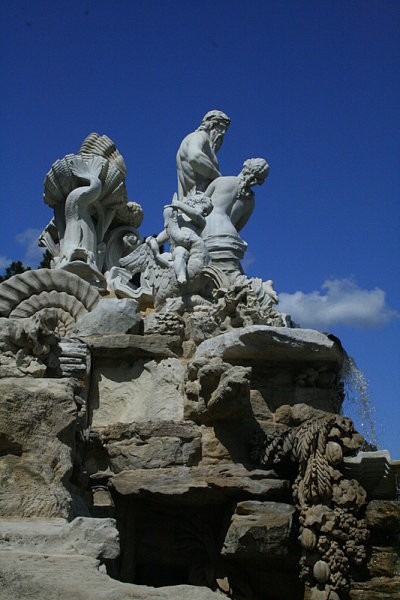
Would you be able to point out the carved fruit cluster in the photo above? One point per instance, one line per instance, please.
(332, 536)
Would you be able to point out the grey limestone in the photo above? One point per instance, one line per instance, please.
(37, 433)
(38, 576)
(111, 315)
(260, 343)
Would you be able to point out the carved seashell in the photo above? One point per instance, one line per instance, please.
(308, 539)
(334, 453)
(215, 277)
(60, 181)
(321, 571)
(43, 290)
(102, 145)
(120, 242)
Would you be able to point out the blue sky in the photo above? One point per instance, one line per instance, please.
(312, 86)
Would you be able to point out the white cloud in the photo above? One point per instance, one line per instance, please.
(29, 239)
(248, 260)
(342, 302)
(4, 261)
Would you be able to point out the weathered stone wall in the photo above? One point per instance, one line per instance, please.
(163, 459)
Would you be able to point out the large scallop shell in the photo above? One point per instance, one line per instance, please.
(102, 145)
(43, 290)
(60, 181)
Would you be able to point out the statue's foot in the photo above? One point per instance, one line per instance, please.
(181, 279)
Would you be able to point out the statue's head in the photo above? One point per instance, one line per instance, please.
(215, 122)
(201, 201)
(255, 171)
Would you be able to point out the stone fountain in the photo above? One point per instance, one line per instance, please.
(165, 431)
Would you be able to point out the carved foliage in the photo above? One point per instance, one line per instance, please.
(332, 535)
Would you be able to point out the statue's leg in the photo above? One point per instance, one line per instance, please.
(181, 256)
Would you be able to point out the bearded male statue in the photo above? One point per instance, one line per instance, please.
(233, 203)
(233, 198)
(196, 159)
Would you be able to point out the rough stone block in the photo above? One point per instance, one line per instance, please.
(202, 484)
(261, 342)
(383, 518)
(37, 576)
(259, 530)
(151, 445)
(111, 315)
(384, 562)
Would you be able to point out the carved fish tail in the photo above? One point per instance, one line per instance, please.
(87, 168)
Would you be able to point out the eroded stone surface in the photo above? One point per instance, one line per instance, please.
(111, 315)
(142, 391)
(97, 538)
(378, 588)
(37, 576)
(38, 424)
(122, 346)
(151, 445)
(384, 562)
(216, 391)
(383, 518)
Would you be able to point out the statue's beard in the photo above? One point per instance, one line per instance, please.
(244, 190)
(216, 140)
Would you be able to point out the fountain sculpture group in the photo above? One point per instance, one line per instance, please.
(161, 422)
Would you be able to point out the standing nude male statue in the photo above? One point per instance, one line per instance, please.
(196, 160)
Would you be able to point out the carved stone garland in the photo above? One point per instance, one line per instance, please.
(332, 535)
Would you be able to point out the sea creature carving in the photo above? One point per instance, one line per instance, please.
(26, 345)
(48, 292)
(88, 195)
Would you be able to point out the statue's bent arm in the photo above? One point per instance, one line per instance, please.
(199, 160)
(192, 213)
(241, 213)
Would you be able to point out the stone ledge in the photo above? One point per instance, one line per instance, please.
(260, 342)
(203, 484)
(39, 576)
(122, 346)
(85, 536)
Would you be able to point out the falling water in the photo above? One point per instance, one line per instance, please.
(357, 399)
